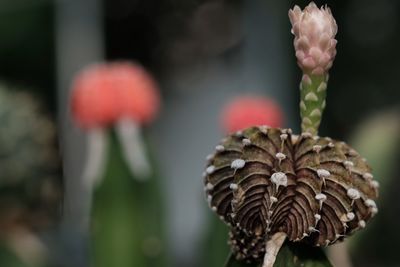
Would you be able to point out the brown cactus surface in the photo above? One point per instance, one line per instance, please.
(263, 181)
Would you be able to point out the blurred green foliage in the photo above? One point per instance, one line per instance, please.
(378, 139)
(215, 243)
(9, 259)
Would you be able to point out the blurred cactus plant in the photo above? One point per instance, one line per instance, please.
(112, 101)
(30, 181)
(377, 137)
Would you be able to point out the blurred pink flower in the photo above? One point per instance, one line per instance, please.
(315, 44)
(107, 92)
(93, 100)
(138, 95)
(246, 111)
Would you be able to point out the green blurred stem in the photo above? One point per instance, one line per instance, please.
(214, 246)
(312, 101)
(290, 255)
(127, 217)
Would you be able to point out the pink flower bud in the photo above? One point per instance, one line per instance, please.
(105, 93)
(315, 44)
(246, 111)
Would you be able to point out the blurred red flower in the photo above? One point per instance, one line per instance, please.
(104, 93)
(138, 97)
(246, 111)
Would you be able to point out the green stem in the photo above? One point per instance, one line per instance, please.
(312, 101)
(290, 255)
(214, 245)
(127, 217)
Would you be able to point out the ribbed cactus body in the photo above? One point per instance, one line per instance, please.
(264, 181)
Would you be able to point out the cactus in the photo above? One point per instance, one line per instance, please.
(271, 186)
(112, 101)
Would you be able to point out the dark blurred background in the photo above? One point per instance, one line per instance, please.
(165, 35)
(201, 53)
